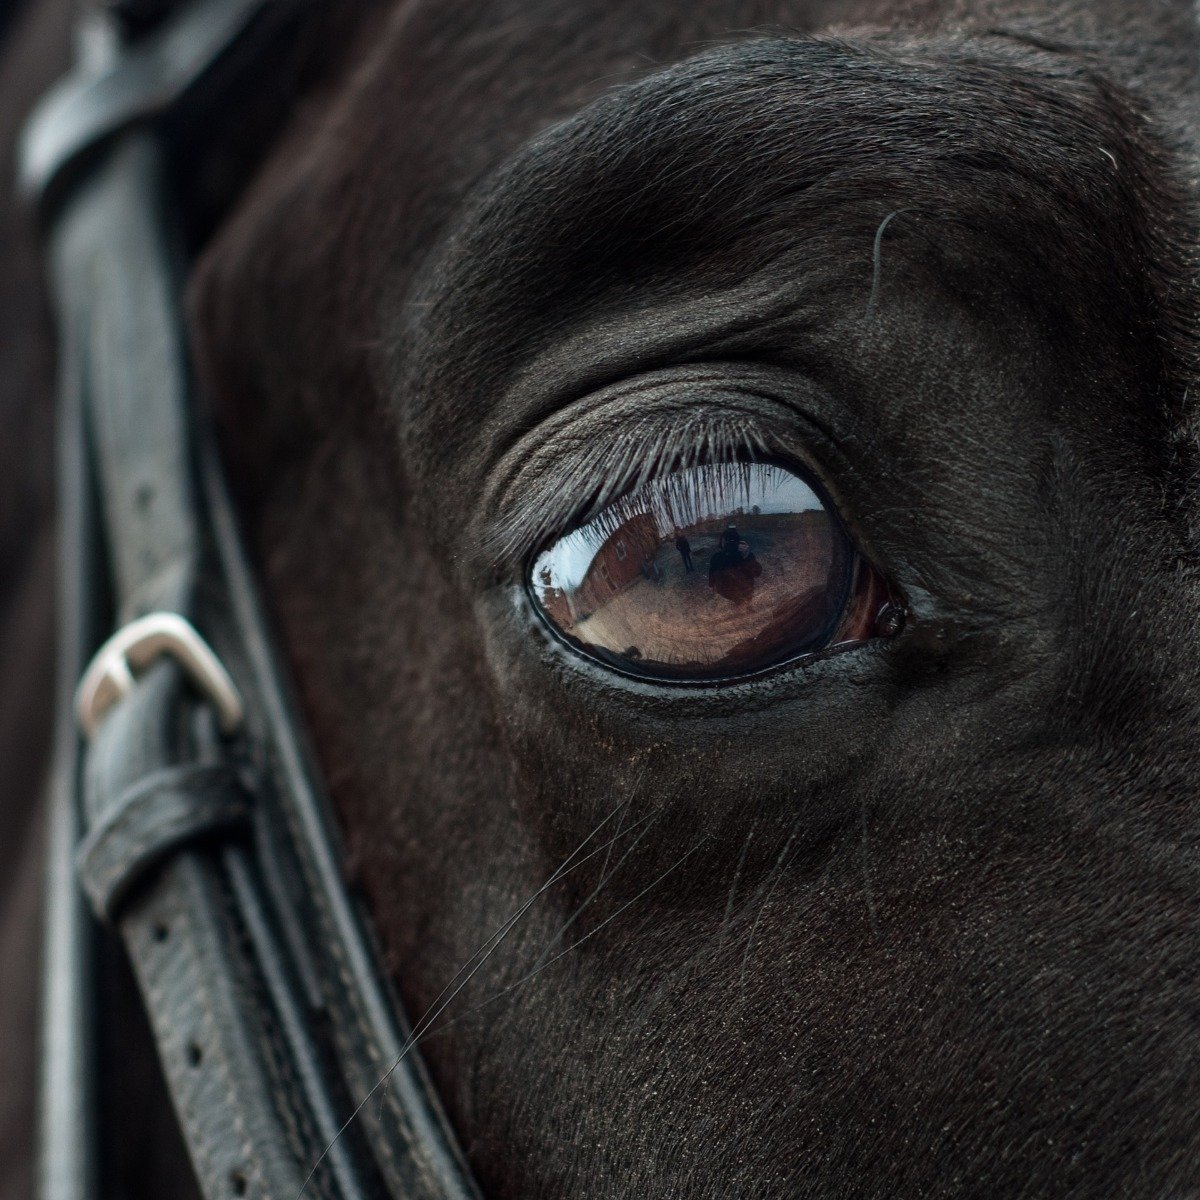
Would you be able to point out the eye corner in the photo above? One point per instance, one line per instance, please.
(890, 619)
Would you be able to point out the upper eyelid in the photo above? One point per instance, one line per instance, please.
(576, 461)
(597, 474)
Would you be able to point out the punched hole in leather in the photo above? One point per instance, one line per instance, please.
(168, 808)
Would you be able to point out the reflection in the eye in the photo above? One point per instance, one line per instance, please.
(714, 570)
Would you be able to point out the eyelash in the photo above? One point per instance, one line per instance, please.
(609, 467)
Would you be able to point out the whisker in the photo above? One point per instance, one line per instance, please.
(620, 829)
(574, 946)
(877, 258)
(493, 942)
(604, 879)
(482, 954)
(434, 1012)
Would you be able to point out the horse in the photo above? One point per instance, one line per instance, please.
(915, 918)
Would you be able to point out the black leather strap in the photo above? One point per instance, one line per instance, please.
(115, 276)
(212, 855)
(107, 95)
(228, 1067)
(327, 936)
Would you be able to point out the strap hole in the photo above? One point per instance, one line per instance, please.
(161, 932)
(237, 1181)
(194, 1054)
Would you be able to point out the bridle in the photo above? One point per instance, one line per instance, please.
(186, 814)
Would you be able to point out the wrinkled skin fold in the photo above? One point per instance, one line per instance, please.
(915, 920)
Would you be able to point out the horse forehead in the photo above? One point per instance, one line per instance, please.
(443, 93)
(782, 159)
(436, 112)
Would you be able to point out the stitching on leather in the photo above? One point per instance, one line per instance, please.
(231, 1091)
(292, 1114)
(246, 1153)
(299, 1131)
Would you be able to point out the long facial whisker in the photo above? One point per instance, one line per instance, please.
(436, 1008)
(605, 877)
(512, 987)
(498, 935)
(608, 852)
(466, 972)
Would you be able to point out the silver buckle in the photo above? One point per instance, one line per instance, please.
(112, 672)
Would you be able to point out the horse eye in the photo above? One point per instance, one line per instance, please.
(711, 572)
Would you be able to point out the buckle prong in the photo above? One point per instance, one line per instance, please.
(112, 673)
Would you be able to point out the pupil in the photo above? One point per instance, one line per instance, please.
(712, 570)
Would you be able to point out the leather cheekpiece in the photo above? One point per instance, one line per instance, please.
(262, 987)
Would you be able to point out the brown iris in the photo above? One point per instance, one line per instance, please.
(712, 571)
